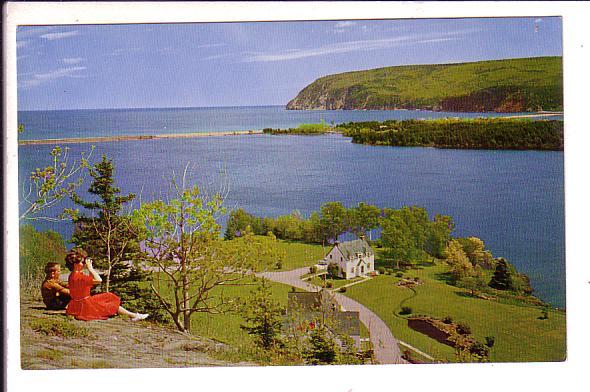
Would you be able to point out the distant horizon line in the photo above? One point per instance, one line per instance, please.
(153, 107)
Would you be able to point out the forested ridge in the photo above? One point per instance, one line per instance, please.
(511, 85)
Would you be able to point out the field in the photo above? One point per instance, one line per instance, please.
(519, 333)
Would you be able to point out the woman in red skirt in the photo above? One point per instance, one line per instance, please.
(84, 306)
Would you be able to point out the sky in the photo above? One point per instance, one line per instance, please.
(247, 64)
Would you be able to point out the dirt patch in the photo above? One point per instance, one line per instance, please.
(112, 343)
(438, 330)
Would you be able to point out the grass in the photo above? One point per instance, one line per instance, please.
(302, 129)
(226, 327)
(299, 255)
(50, 354)
(520, 334)
(58, 327)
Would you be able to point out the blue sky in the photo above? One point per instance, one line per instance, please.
(246, 64)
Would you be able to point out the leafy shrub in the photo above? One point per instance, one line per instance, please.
(479, 351)
(313, 269)
(279, 264)
(490, 340)
(329, 285)
(447, 320)
(463, 329)
(389, 271)
(399, 274)
(58, 327)
(406, 310)
(342, 289)
(381, 270)
(333, 270)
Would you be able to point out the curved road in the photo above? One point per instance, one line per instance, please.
(385, 346)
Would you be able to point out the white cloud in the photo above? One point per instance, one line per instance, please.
(346, 47)
(73, 60)
(40, 78)
(62, 35)
(30, 32)
(215, 57)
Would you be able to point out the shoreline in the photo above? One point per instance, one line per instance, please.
(100, 139)
(540, 114)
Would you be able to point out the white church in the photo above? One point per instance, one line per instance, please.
(353, 258)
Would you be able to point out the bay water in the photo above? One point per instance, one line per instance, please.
(513, 200)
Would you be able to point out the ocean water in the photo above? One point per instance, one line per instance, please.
(513, 200)
(108, 122)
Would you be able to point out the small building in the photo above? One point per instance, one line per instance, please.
(314, 306)
(353, 258)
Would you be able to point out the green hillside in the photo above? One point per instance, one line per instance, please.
(513, 85)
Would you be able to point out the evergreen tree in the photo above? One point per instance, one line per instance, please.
(112, 240)
(502, 279)
(109, 237)
(321, 348)
(263, 317)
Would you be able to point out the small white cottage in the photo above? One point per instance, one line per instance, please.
(353, 258)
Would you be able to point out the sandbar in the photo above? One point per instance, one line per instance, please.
(100, 139)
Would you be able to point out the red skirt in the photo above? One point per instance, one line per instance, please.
(95, 307)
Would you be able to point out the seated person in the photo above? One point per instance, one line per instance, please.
(55, 293)
(84, 306)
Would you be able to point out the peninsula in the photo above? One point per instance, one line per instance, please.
(503, 86)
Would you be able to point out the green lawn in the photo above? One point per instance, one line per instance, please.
(519, 334)
(299, 255)
(226, 327)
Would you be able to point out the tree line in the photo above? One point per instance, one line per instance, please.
(407, 233)
(510, 134)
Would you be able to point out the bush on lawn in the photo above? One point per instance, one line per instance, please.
(463, 329)
(406, 310)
